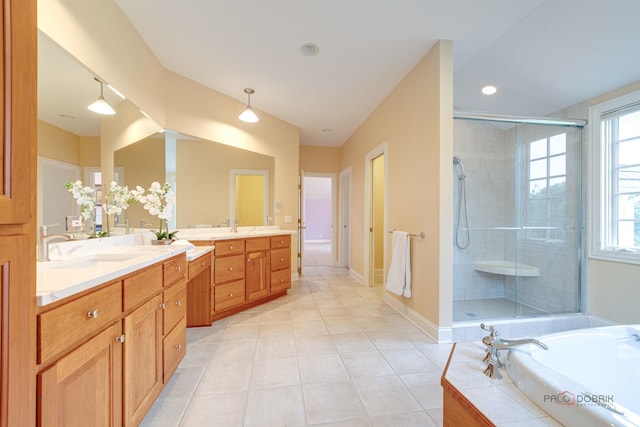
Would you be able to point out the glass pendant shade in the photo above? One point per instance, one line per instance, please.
(248, 115)
(100, 105)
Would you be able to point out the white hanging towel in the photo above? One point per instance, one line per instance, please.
(399, 277)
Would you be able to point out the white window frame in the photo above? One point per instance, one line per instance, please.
(599, 172)
(548, 178)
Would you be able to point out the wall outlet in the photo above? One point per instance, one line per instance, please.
(287, 219)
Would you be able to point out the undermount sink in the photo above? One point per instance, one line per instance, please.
(87, 261)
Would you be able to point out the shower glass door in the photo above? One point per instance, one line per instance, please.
(517, 222)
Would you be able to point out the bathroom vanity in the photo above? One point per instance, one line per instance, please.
(247, 271)
(104, 353)
(112, 315)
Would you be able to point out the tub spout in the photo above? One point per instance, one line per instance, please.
(495, 344)
(502, 344)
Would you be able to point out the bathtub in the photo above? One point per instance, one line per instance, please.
(588, 377)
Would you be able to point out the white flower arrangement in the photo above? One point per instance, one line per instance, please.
(116, 200)
(159, 201)
(85, 197)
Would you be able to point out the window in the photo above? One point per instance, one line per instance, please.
(615, 130)
(546, 209)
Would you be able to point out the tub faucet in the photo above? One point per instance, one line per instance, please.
(495, 344)
(44, 239)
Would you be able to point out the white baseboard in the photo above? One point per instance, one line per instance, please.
(358, 277)
(439, 335)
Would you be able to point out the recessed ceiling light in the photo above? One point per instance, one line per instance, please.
(489, 90)
(309, 49)
(66, 116)
(327, 130)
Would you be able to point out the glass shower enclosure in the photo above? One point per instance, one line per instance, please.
(517, 205)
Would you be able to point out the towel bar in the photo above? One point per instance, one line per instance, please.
(421, 235)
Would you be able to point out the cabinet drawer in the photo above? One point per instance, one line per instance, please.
(280, 280)
(229, 247)
(175, 269)
(175, 306)
(142, 286)
(278, 242)
(229, 295)
(257, 244)
(199, 264)
(174, 348)
(228, 268)
(280, 258)
(67, 324)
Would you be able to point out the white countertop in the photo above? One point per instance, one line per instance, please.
(82, 264)
(224, 233)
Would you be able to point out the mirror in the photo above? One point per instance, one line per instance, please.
(214, 182)
(69, 139)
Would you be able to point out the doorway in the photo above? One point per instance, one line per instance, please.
(376, 217)
(318, 217)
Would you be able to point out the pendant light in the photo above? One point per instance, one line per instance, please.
(248, 115)
(100, 105)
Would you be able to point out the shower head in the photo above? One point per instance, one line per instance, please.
(458, 162)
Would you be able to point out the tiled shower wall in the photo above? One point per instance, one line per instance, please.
(493, 183)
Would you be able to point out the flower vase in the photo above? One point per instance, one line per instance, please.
(161, 242)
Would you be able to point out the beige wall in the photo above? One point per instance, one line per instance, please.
(58, 144)
(143, 173)
(100, 36)
(614, 293)
(416, 122)
(203, 168)
(89, 153)
(320, 159)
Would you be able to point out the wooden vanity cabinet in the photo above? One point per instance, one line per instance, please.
(84, 388)
(257, 268)
(280, 263)
(142, 359)
(174, 322)
(105, 354)
(199, 291)
(245, 270)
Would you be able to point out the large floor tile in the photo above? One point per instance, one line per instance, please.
(331, 402)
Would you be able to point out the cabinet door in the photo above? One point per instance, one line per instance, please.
(257, 275)
(142, 360)
(18, 110)
(84, 388)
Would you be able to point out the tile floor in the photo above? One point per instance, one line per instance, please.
(330, 353)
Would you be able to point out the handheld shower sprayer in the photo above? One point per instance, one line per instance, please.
(462, 238)
(458, 162)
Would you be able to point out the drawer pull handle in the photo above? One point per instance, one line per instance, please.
(281, 259)
(230, 248)
(163, 306)
(178, 267)
(281, 241)
(248, 259)
(281, 280)
(93, 314)
(230, 268)
(178, 346)
(230, 295)
(202, 263)
(178, 303)
(120, 339)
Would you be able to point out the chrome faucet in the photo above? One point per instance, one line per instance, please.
(44, 238)
(233, 223)
(144, 224)
(124, 224)
(495, 344)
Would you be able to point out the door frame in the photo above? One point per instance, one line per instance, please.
(334, 209)
(381, 149)
(344, 197)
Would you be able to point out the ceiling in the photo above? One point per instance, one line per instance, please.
(542, 55)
